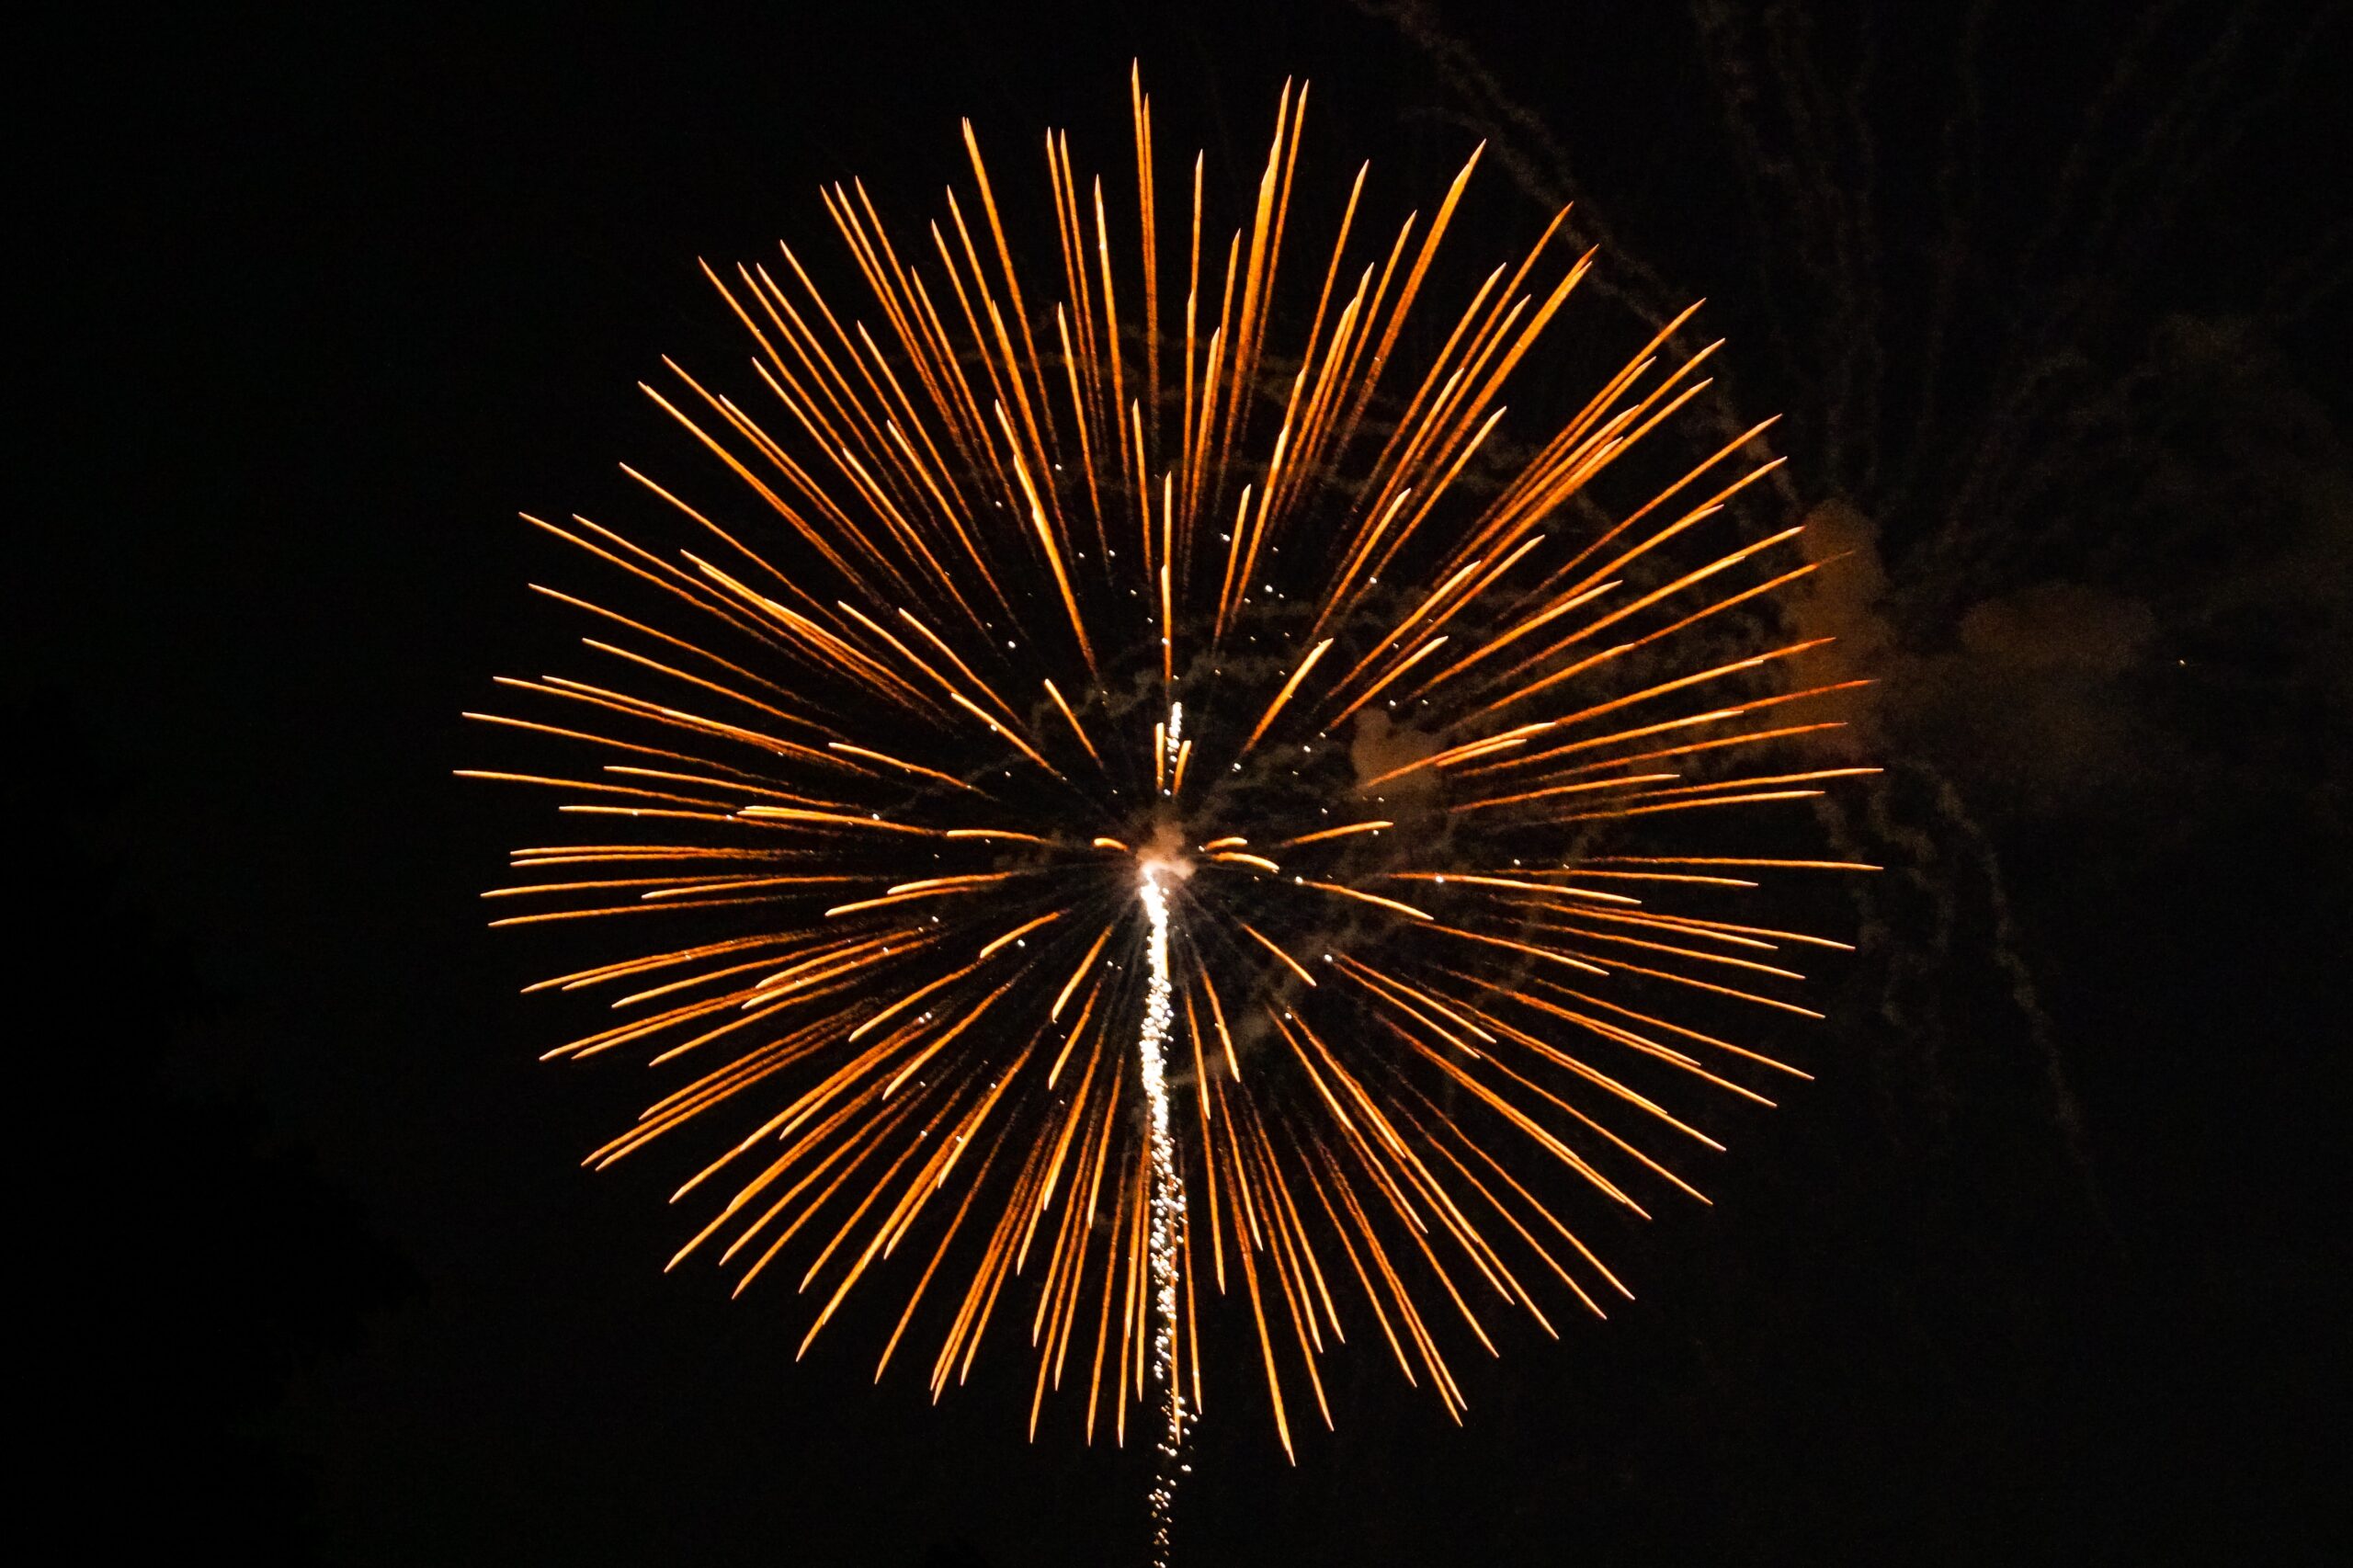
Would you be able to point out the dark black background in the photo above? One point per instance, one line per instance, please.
(319, 303)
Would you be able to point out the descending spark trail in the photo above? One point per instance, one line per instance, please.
(1168, 1189)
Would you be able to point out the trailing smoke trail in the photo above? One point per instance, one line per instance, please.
(1167, 1193)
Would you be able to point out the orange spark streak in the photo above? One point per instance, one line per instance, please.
(1284, 695)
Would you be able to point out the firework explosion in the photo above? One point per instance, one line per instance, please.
(1111, 773)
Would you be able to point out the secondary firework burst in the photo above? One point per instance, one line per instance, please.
(1139, 789)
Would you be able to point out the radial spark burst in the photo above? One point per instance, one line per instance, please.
(1158, 796)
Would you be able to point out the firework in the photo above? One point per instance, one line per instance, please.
(1151, 796)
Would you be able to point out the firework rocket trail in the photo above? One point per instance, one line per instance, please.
(1168, 1215)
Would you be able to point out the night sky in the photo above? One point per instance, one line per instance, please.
(2053, 298)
